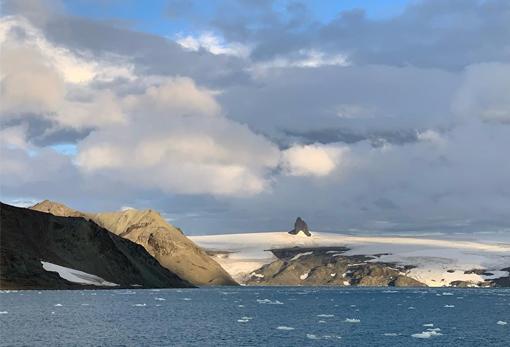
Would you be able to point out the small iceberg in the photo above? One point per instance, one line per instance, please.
(269, 302)
(282, 327)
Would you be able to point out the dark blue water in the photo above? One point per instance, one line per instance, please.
(250, 316)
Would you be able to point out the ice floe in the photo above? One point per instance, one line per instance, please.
(269, 302)
(352, 320)
(139, 305)
(3, 312)
(160, 299)
(427, 334)
(500, 322)
(283, 327)
(325, 315)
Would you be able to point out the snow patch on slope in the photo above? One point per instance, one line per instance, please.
(76, 276)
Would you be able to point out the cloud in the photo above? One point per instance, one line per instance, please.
(42, 79)
(176, 131)
(213, 44)
(359, 124)
(312, 160)
(484, 93)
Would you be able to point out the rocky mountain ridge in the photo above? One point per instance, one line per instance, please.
(30, 240)
(166, 243)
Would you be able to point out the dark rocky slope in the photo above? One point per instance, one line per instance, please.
(328, 266)
(163, 241)
(28, 237)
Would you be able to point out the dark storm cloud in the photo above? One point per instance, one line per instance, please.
(447, 34)
(348, 136)
(378, 100)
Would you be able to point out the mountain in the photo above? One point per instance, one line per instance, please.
(41, 250)
(279, 258)
(163, 241)
(300, 226)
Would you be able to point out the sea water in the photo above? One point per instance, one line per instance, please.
(256, 316)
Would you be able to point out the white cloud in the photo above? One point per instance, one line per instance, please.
(213, 44)
(312, 160)
(177, 140)
(306, 58)
(431, 136)
(40, 78)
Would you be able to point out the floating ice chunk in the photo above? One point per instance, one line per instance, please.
(243, 320)
(282, 327)
(58, 305)
(312, 337)
(187, 299)
(5, 312)
(160, 299)
(500, 322)
(139, 305)
(321, 321)
(448, 306)
(304, 276)
(240, 305)
(352, 320)
(325, 315)
(426, 334)
(428, 325)
(447, 293)
(269, 302)
(410, 308)
(76, 276)
(299, 255)
(85, 304)
(390, 334)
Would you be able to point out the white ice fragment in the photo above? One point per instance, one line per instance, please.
(269, 302)
(351, 320)
(282, 327)
(426, 334)
(500, 322)
(325, 315)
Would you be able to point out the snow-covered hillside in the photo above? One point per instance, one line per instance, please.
(439, 260)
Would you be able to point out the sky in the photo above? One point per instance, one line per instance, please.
(240, 115)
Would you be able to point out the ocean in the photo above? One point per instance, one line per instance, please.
(256, 316)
